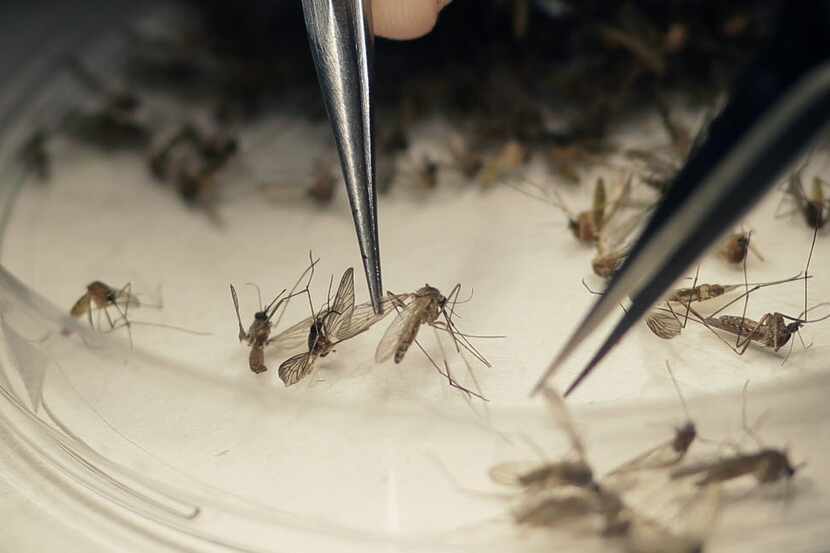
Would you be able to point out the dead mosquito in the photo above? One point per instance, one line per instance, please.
(666, 323)
(736, 246)
(767, 465)
(815, 205)
(504, 162)
(101, 297)
(258, 334)
(534, 477)
(668, 453)
(323, 182)
(427, 306)
(338, 321)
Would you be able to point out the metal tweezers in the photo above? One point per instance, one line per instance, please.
(341, 40)
(779, 105)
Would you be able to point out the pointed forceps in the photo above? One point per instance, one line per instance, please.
(780, 104)
(342, 43)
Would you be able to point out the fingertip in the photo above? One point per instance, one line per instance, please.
(405, 19)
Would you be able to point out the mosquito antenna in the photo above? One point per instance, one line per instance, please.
(270, 312)
(242, 333)
(456, 290)
(677, 389)
(258, 295)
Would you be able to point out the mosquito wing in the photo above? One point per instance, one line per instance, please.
(511, 473)
(81, 306)
(342, 308)
(563, 419)
(392, 337)
(659, 456)
(664, 325)
(294, 337)
(364, 316)
(296, 368)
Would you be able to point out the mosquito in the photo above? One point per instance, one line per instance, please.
(772, 330)
(101, 296)
(535, 477)
(736, 246)
(258, 334)
(323, 183)
(340, 320)
(668, 453)
(666, 323)
(505, 162)
(768, 465)
(427, 306)
(814, 206)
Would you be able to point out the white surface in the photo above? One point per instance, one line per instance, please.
(351, 451)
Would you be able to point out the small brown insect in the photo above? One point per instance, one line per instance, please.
(668, 453)
(340, 320)
(536, 477)
(323, 183)
(258, 334)
(505, 162)
(772, 331)
(101, 296)
(736, 246)
(815, 206)
(768, 465)
(426, 306)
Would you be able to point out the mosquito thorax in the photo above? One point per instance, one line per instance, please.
(684, 436)
(774, 466)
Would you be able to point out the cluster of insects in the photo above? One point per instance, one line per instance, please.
(340, 319)
(568, 493)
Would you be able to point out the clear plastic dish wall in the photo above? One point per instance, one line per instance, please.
(173, 444)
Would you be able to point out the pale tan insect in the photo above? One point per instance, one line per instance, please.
(767, 465)
(815, 206)
(340, 320)
(426, 307)
(323, 183)
(258, 334)
(668, 453)
(736, 246)
(772, 330)
(534, 477)
(506, 162)
(101, 296)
